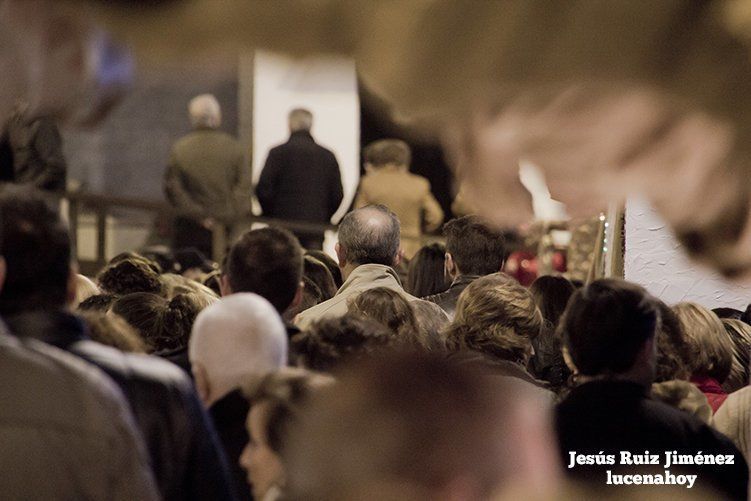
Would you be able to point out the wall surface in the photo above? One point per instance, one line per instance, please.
(325, 86)
(657, 261)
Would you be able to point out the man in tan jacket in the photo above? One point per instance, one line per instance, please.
(388, 182)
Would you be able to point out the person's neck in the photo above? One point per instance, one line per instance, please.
(347, 270)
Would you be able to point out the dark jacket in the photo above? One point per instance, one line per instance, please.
(448, 298)
(229, 414)
(614, 416)
(185, 453)
(300, 181)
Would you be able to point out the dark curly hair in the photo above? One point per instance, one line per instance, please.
(128, 276)
(333, 340)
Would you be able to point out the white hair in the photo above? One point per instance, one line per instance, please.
(205, 111)
(300, 119)
(239, 335)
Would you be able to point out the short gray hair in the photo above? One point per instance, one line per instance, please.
(300, 119)
(370, 235)
(204, 111)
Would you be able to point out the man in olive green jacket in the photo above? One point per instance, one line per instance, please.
(206, 178)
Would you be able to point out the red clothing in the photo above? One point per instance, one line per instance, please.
(712, 390)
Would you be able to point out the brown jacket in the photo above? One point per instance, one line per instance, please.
(409, 196)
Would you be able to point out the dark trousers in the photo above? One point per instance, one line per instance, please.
(190, 233)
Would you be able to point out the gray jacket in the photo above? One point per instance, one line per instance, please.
(65, 430)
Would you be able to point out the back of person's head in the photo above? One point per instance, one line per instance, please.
(97, 302)
(163, 324)
(387, 152)
(300, 119)
(432, 321)
(128, 276)
(113, 330)
(174, 284)
(497, 317)
(551, 294)
(606, 326)
(672, 348)
(392, 310)
(37, 252)
(330, 263)
(426, 275)
(329, 342)
(475, 248)
(205, 112)
(239, 335)
(276, 402)
(311, 296)
(740, 335)
(320, 275)
(267, 262)
(369, 235)
(710, 347)
(409, 427)
(728, 313)
(136, 256)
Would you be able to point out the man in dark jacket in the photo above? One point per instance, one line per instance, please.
(185, 455)
(300, 180)
(473, 249)
(611, 432)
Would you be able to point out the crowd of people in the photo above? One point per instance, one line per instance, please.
(290, 375)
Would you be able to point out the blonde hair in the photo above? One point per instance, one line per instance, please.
(740, 335)
(710, 347)
(497, 316)
(85, 288)
(112, 329)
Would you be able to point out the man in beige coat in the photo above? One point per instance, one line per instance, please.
(388, 182)
(368, 247)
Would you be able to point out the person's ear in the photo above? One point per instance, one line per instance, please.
(399, 257)
(341, 255)
(448, 265)
(298, 296)
(202, 382)
(71, 286)
(224, 287)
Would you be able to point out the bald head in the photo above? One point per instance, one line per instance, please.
(239, 335)
(369, 236)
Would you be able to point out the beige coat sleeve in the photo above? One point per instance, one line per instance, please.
(362, 199)
(432, 210)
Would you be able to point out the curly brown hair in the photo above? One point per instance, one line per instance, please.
(331, 341)
(496, 316)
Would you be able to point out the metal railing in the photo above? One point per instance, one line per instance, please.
(102, 206)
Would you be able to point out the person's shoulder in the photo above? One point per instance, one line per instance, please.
(418, 180)
(137, 368)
